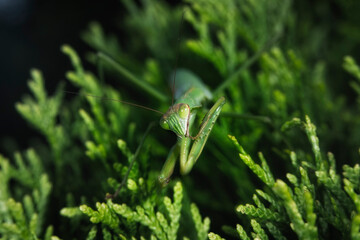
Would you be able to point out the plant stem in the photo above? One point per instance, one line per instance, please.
(142, 84)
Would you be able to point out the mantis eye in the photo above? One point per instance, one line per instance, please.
(184, 111)
(164, 124)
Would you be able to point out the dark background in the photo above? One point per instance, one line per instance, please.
(31, 33)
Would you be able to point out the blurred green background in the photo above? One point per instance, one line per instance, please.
(302, 73)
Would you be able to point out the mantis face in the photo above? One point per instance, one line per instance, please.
(177, 119)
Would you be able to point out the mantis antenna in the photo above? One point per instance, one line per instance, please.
(177, 58)
(116, 100)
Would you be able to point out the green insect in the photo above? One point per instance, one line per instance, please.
(179, 118)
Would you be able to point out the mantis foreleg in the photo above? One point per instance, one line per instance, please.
(168, 167)
(187, 161)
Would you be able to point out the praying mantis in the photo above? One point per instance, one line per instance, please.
(180, 117)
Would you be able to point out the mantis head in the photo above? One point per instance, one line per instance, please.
(177, 119)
